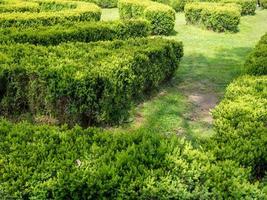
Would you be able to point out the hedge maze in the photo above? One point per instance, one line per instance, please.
(69, 83)
(86, 83)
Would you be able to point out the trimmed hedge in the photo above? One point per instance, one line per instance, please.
(86, 83)
(161, 17)
(248, 7)
(83, 32)
(256, 63)
(214, 16)
(44, 162)
(103, 3)
(240, 124)
(77, 11)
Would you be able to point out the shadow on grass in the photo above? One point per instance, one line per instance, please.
(168, 109)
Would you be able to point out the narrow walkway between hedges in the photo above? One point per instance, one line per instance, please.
(211, 61)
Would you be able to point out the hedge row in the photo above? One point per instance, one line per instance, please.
(161, 17)
(45, 162)
(263, 4)
(82, 31)
(240, 124)
(86, 83)
(77, 11)
(256, 63)
(103, 3)
(214, 16)
(248, 7)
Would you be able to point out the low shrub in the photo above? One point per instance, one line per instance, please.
(256, 63)
(83, 32)
(214, 16)
(161, 17)
(103, 3)
(86, 83)
(44, 162)
(240, 124)
(248, 7)
(49, 13)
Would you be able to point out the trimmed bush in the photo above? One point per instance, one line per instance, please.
(51, 14)
(214, 16)
(240, 124)
(248, 7)
(256, 63)
(103, 3)
(44, 162)
(86, 83)
(83, 32)
(161, 17)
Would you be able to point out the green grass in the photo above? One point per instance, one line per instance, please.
(211, 61)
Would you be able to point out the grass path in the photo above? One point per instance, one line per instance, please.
(211, 61)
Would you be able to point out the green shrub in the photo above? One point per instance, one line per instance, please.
(49, 13)
(86, 83)
(214, 16)
(82, 31)
(248, 7)
(103, 3)
(240, 124)
(161, 17)
(256, 63)
(45, 162)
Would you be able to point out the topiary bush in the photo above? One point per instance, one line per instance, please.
(256, 63)
(85, 83)
(47, 162)
(81, 31)
(161, 17)
(214, 16)
(47, 13)
(248, 7)
(103, 3)
(240, 124)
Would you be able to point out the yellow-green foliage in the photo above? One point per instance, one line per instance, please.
(29, 13)
(256, 63)
(86, 83)
(240, 123)
(161, 17)
(214, 16)
(78, 31)
(47, 162)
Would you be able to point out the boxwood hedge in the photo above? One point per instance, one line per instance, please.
(86, 83)
(161, 17)
(256, 63)
(214, 16)
(103, 3)
(46, 162)
(240, 124)
(47, 13)
(80, 31)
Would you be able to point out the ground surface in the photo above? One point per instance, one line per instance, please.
(211, 61)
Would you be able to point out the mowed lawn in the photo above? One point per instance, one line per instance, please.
(211, 61)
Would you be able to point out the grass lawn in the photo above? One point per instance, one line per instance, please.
(211, 61)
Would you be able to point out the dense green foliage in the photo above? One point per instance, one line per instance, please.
(83, 83)
(248, 7)
(47, 13)
(82, 32)
(256, 63)
(44, 162)
(103, 3)
(240, 124)
(161, 17)
(214, 16)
